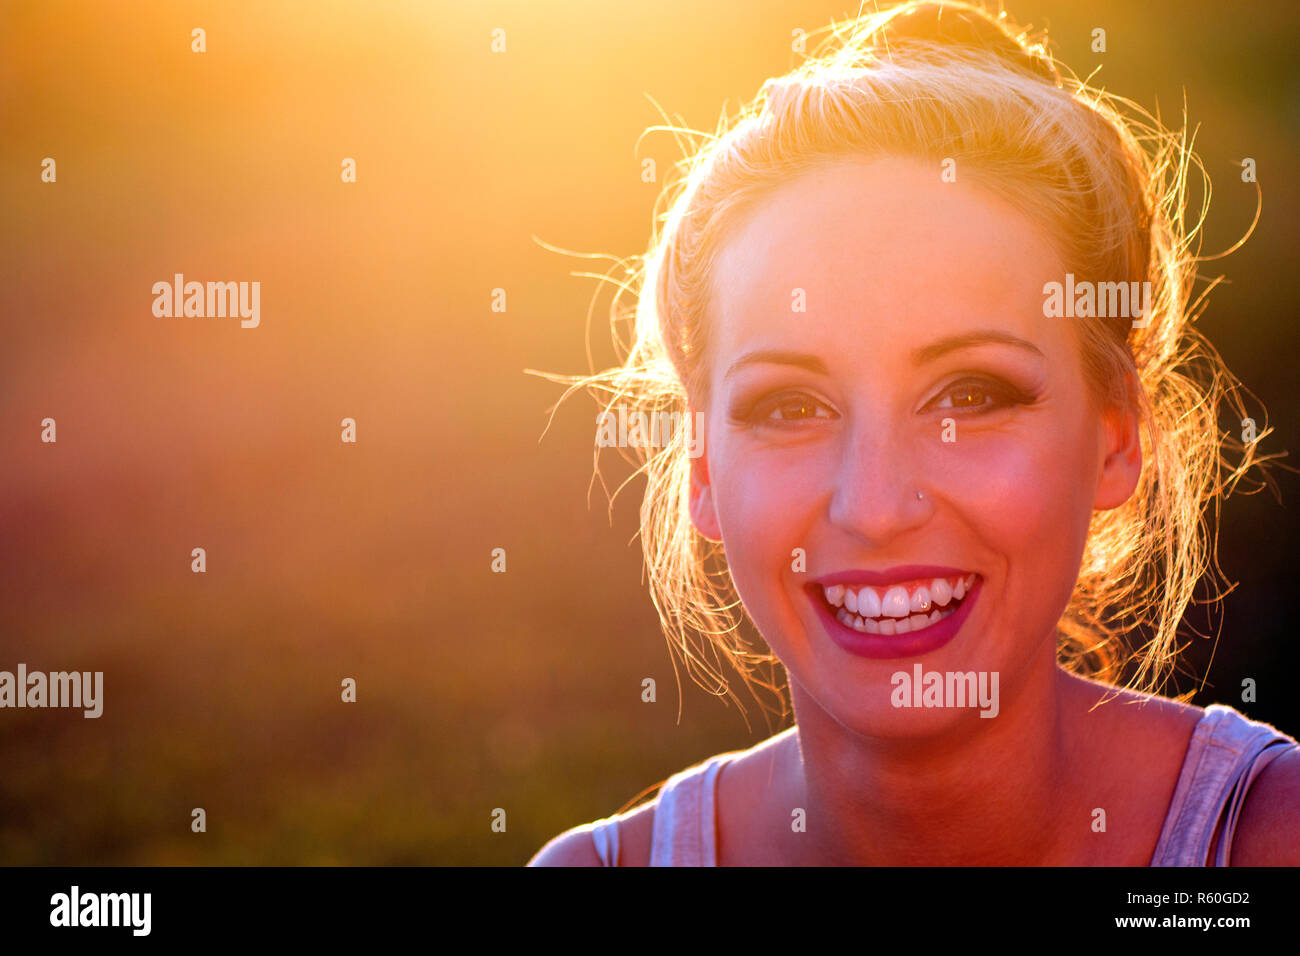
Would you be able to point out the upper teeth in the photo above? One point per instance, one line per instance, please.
(899, 600)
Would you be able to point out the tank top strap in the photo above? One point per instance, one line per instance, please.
(604, 833)
(685, 820)
(1225, 755)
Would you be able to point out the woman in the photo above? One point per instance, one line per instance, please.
(927, 304)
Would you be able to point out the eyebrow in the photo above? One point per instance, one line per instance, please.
(967, 339)
(920, 356)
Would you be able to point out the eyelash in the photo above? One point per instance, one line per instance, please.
(1002, 394)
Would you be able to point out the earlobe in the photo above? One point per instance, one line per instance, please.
(1121, 455)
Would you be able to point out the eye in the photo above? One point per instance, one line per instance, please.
(980, 393)
(790, 407)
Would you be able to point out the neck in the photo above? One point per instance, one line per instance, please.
(981, 792)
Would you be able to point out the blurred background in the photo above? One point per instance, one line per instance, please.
(326, 560)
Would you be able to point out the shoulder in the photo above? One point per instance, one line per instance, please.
(1268, 827)
(1148, 725)
(1268, 830)
(575, 847)
(636, 833)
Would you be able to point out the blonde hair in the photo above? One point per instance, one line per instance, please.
(935, 81)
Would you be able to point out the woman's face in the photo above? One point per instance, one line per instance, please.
(874, 332)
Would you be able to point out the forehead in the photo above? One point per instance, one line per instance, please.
(885, 249)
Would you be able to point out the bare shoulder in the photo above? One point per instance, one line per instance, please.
(1268, 830)
(1152, 707)
(575, 847)
(1148, 724)
(571, 848)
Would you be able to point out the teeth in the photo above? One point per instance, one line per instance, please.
(940, 590)
(891, 625)
(918, 621)
(895, 603)
(863, 608)
(869, 602)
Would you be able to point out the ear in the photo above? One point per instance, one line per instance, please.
(703, 513)
(1121, 452)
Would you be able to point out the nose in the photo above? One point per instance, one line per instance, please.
(876, 484)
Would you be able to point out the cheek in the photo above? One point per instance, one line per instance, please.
(757, 496)
(1024, 482)
(766, 503)
(1026, 495)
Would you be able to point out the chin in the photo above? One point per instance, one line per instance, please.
(874, 711)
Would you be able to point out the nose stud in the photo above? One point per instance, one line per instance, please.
(919, 496)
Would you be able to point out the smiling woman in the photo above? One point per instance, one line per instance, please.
(985, 496)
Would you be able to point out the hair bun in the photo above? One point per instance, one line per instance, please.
(947, 23)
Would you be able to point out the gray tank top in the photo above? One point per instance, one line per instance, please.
(1225, 755)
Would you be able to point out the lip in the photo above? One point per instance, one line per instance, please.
(883, 646)
(895, 575)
